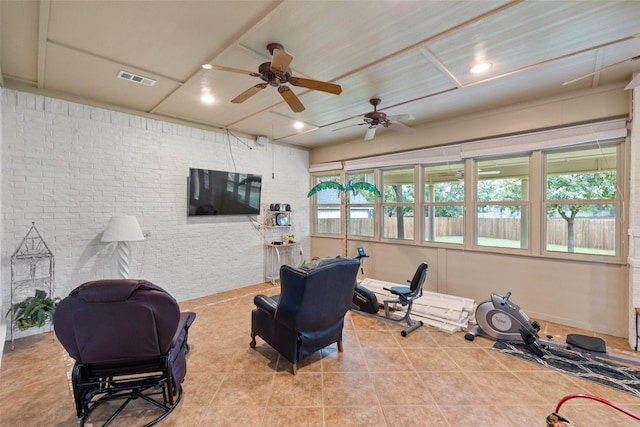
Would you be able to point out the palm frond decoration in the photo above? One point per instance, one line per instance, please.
(326, 185)
(357, 187)
(354, 188)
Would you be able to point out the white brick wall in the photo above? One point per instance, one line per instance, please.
(69, 167)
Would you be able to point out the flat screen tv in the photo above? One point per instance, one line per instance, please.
(213, 192)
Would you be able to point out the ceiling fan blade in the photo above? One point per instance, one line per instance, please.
(599, 70)
(350, 126)
(291, 99)
(280, 61)
(371, 132)
(234, 70)
(401, 117)
(248, 93)
(397, 126)
(633, 83)
(333, 88)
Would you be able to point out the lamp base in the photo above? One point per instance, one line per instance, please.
(124, 256)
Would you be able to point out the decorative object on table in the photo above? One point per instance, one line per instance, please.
(278, 207)
(123, 229)
(32, 268)
(282, 219)
(350, 187)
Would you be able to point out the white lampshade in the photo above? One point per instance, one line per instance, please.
(123, 228)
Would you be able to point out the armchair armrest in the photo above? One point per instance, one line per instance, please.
(186, 319)
(266, 304)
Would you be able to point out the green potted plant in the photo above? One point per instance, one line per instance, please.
(33, 311)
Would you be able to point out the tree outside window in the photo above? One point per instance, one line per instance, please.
(582, 200)
(444, 203)
(398, 204)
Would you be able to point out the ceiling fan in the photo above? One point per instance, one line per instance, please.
(378, 118)
(633, 83)
(276, 73)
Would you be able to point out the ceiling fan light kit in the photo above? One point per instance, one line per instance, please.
(276, 73)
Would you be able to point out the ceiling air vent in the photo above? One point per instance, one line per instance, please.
(136, 78)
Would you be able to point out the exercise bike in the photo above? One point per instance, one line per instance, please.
(365, 300)
(499, 319)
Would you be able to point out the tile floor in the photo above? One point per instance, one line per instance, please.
(430, 378)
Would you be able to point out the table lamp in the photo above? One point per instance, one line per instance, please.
(123, 229)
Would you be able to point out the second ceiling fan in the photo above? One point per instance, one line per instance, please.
(276, 73)
(377, 118)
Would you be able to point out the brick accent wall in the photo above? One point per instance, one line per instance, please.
(68, 167)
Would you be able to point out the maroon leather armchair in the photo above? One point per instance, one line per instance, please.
(129, 341)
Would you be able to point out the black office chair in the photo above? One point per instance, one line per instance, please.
(406, 296)
(129, 340)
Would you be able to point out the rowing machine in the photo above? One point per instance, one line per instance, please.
(499, 319)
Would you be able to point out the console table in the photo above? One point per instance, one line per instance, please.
(278, 255)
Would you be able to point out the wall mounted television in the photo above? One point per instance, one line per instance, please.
(213, 192)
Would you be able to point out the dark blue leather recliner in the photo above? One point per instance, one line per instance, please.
(308, 315)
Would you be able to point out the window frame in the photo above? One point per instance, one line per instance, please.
(316, 179)
(536, 203)
(618, 201)
(373, 205)
(427, 203)
(413, 205)
(524, 204)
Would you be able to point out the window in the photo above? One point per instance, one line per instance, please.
(557, 193)
(444, 203)
(361, 207)
(502, 207)
(582, 200)
(397, 207)
(328, 207)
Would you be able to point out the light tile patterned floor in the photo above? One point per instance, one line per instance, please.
(430, 378)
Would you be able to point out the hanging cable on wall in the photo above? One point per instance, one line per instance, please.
(273, 157)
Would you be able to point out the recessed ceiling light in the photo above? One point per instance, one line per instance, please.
(481, 68)
(298, 125)
(207, 99)
(207, 66)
